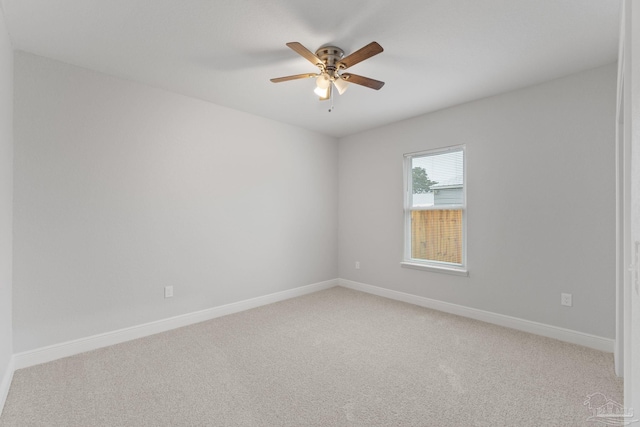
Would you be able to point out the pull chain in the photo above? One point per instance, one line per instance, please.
(331, 99)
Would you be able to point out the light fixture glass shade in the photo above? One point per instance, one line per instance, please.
(341, 85)
(322, 85)
(322, 93)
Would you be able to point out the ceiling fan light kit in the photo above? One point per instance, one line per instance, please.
(330, 61)
(341, 84)
(323, 85)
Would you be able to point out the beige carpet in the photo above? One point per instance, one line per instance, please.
(333, 358)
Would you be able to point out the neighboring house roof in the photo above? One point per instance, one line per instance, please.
(455, 182)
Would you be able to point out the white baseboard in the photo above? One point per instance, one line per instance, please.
(5, 383)
(70, 348)
(562, 334)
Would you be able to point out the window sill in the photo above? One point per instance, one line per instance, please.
(436, 269)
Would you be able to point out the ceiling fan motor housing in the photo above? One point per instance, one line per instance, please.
(331, 57)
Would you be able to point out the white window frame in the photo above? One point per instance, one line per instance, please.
(429, 265)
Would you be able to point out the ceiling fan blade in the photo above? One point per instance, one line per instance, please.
(305, 53)
(360, 55)
(363, 81)
(296, 77)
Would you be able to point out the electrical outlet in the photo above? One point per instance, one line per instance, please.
(357, 265)
(565, 299)
(168, 291)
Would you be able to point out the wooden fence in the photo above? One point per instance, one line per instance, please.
(436, 235)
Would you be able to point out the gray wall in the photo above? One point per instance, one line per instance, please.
(6, 195)
(551, 147)
(122, 189)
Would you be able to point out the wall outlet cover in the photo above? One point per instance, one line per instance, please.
(566, 300)
(168, 291)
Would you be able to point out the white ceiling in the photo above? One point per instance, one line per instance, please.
(438, 53)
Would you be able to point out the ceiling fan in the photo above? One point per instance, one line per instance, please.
(330, 61)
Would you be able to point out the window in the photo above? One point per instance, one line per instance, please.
(435, 205)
